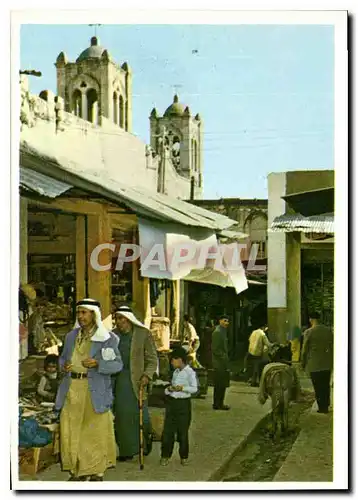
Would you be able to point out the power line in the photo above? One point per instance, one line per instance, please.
(281, 141)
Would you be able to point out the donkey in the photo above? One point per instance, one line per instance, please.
(279, 382)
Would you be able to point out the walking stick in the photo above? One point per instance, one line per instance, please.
(141, 433)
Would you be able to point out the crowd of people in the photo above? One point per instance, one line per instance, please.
(102, 373)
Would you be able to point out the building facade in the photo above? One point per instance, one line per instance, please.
(251, 217)
(300, 251)
(206, 303)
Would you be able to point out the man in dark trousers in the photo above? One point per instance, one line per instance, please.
(317, 359)
(220, 355)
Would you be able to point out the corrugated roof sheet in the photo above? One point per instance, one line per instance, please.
(165, 207)
(42, 184)
(144, 202)
(323, 223)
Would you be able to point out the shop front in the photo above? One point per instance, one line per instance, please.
(65, 217)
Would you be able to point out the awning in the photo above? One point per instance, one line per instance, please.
(288, 223)
(318, 201)
(209, 276)
(148, 204)
(228, 236)
(41, 184)
(171, 251)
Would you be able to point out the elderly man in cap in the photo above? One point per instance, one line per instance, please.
(140, 362)
(89, 358)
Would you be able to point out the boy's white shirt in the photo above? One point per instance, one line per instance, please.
(187, 378)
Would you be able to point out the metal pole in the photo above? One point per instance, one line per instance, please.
(86, 255)
(163, 161)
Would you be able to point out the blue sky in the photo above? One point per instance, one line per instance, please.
(265, 93)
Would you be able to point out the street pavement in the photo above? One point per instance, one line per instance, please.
(214, 437)
(311, 457)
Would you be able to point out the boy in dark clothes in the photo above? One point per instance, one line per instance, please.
(178, 408)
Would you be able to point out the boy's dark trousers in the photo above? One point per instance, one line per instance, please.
(177, 422)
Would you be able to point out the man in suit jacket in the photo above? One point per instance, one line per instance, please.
(90, 356)
(220, 355)
(317, 360)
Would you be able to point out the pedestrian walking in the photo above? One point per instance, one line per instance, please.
(258, 344)
(220, 355)
(317, 359)
(140, 362)
(178, 407)
(89, 357)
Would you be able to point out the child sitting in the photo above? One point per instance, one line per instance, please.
(178, 408)
(48, 385)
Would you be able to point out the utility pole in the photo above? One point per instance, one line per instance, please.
(192, 188)
(161, 169)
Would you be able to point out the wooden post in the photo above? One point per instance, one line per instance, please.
(175, 333)
(81, 260)
(99, 282)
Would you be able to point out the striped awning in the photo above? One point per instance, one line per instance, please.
(289, 223)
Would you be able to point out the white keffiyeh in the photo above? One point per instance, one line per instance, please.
(101, 334)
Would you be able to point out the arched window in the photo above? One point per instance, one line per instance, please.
(115, 108)
(76, 105)
(176, 151)
(121, 112)
(256, 227)
(92, 106)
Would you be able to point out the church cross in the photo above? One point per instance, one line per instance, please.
(95, 28)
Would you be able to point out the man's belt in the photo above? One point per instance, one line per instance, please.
(78, 375)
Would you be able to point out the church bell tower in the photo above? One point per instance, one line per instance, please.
(183, 134)
(95, 86)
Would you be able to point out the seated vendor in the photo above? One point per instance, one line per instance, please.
(48, 385)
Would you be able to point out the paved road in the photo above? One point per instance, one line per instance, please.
(311, 457)
(214, 438)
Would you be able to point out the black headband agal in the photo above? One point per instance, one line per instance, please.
(123, 309)
(88, 303)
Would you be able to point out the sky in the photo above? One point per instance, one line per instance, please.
(264, 92)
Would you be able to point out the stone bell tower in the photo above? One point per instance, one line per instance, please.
(183, 134)
(95, 86)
